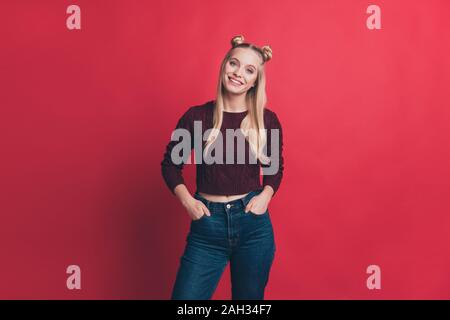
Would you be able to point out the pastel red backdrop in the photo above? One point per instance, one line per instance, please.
(86, 115)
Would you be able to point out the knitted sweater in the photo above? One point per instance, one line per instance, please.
(223, 177)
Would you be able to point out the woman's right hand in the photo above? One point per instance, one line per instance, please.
(195, 208)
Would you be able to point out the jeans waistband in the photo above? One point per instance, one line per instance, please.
(242, 202)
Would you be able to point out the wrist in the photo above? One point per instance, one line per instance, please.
(186, 200)
(183, 195)
(267, 192)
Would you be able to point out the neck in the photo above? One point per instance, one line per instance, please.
(234, 103)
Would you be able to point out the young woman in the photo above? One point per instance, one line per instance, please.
(230, 221)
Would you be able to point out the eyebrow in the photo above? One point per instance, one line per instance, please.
(240, 62)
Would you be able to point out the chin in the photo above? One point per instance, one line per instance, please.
(235, 90)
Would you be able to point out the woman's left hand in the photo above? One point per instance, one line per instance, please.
(258, 204)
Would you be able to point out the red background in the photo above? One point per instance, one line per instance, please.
(86, 114)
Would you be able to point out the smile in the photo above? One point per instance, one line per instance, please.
(237, 82)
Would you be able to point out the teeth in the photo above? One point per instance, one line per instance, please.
(231, 79)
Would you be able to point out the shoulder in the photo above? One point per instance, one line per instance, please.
(271, 119)
(197, 112)
(269, 113)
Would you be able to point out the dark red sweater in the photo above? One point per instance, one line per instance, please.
(224, 179)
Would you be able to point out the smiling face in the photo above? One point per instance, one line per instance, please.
(241, 70)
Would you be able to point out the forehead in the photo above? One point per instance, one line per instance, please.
(246, 56)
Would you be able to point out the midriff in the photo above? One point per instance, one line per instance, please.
(221, 198)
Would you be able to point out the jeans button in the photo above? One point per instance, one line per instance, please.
(228, 206)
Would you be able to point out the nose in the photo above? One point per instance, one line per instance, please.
(237, 73)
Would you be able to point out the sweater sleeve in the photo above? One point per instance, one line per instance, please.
(273, 172)
(172, 164)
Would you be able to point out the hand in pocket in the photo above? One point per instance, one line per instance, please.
(257, 205)
(197, 209)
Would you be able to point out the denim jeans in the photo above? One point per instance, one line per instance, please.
(246, 240)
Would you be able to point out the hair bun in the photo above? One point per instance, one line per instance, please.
(267, 53)
(237, 40)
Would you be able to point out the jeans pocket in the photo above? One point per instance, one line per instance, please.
(199, 219)
(259, 214)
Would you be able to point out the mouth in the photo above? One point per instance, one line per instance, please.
(235, 81)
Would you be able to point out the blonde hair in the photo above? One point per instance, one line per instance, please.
(252, 126)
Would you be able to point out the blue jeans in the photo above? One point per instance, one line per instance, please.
(229, 234)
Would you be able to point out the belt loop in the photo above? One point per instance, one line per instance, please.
(244, 201)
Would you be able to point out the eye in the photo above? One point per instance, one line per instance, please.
(250, 71)
(232, 63)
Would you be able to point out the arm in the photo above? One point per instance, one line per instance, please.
(273, 173)
(272, 180)
(171, 166)
(183, 194)
(173, 172)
